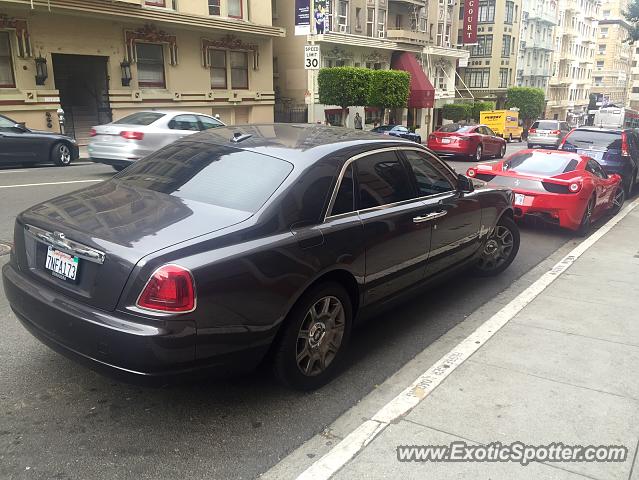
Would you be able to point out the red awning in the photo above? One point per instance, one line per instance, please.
(422, 92)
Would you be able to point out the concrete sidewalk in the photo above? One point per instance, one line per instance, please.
(564, 369)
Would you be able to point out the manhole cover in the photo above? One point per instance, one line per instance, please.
(4, 248)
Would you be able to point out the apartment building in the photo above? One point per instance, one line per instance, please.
(573, 61)
(100, 60)
(492, 67)
(413, 35)
(613, 54)
(633, 98)
(537, 40)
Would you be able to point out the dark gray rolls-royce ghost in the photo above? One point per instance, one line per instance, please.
(241, 244)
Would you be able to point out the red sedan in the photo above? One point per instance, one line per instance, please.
(561, 188)
(469, 141)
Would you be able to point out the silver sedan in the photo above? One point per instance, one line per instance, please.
(135, 136)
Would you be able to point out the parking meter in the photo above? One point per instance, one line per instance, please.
(60, 113)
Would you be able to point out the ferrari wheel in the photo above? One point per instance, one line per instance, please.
(617, 201)
(499, 250)
(586, 220)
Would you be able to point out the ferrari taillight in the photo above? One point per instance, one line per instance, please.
(574, 187)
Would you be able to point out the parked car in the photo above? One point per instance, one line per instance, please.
(617, 150)
(561, 188)
(135, 136)
(21, 145)
(238, 242)
(547, 133)
(398, 131)
(469, 141)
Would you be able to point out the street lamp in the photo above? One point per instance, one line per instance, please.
(41, 70)
(126, 73)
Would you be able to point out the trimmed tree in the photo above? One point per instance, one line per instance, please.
(530, 102)
(344, 86)
(388, 89)
(479, 107)
(457, 112)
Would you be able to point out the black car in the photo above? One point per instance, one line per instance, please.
(20, 145)
(616, 150)
(398, 131)
(240, 242)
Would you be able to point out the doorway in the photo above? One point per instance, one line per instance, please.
(83, 83)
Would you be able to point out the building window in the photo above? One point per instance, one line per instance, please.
(487, 11)
(150, 59)
(217, 60)
(600, 64)
(478, 78)
(602, 49)
(239, 70)
(505, 46)
(503, 78)
(235, 9)
(155, 3)
(342, 15)
(381, 23)
(370, 21)
(6, 66)
(510, 12)
(358, 18)
(214, 7)
(484, 47)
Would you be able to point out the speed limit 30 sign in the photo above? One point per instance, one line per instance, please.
(311, 57)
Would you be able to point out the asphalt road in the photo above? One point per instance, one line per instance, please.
(60, 420)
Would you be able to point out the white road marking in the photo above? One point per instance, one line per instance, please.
(49, 183)
(403, 403)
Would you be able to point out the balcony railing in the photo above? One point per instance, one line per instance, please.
(408, 36)
(542, 16)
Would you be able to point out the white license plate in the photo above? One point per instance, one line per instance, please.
(541, 134)
(61, 265)
(519, 199)
(445, 140)
(591, 153)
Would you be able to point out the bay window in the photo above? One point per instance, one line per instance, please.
(150, 60)
(235, 8)
(6, 65)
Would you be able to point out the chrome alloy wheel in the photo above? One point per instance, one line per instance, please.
(320, 335)
(64, 154)
(498, 249)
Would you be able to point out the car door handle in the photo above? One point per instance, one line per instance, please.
(429, 217)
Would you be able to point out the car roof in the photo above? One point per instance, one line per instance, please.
(296, 142)
(600, 129)
(174, 112)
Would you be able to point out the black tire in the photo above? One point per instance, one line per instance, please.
(502, 151)
(500, 249)
(293, 353)
(61, 154)
(628, 185)
(618, 199)
(586, 219)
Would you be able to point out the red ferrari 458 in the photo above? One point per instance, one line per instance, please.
(469, 141)
(560, 188)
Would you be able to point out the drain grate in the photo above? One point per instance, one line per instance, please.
(5, 248)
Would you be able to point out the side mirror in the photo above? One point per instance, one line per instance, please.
(21, 126)
(465, 184)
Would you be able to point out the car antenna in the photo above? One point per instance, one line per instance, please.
(240, 137)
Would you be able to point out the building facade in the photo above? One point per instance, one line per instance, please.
(573, 61)
(613, 54)
(371, 34)
(492, 67)
(633, 98)
(536, 44)
(100, 61)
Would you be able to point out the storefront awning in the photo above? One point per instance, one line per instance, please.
(422, 92)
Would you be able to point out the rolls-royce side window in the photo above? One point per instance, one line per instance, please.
(430, 177)
(382, 180)
(345, 198)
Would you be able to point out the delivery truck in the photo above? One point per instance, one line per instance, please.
(505, 123)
